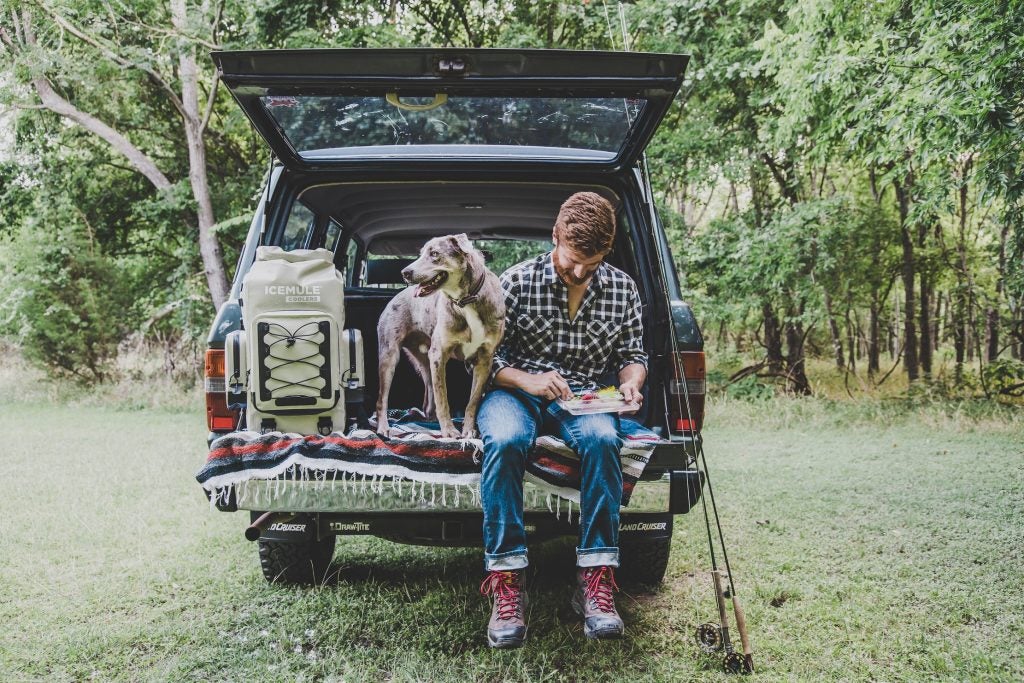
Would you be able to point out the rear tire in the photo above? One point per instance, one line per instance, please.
(304, 563)
(644, 562)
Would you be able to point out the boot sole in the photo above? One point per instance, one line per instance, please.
(596, 634)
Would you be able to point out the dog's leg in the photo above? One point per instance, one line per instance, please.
(438, 355)
(388, 359)
(481, 369)
(421, 364)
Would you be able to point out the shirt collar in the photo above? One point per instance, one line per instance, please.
(550, 277)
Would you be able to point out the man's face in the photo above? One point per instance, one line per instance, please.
(572, 267)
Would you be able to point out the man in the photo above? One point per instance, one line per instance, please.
(570, 319)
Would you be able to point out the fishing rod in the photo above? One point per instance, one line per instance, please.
(711, 637)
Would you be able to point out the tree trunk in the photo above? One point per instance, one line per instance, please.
(910, 343)
(209, 247)
(963, 345)
(852, 344)
(795, 371)
(925, 309)
(1017, 332)
(895, 341)
(873, 350)
(772, 338)
(993, 311)
(833, 329)
(136, 157)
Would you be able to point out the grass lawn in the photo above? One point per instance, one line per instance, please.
(868, 545)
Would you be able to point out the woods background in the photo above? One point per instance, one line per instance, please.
(841, 180)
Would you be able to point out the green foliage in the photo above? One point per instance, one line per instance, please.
(774, 170)
(65, 302)
(1005, 377)
(751, 389)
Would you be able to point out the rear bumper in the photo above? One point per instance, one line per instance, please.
(420, 516)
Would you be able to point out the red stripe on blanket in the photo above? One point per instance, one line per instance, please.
(414, 448)
(554, 466)
(249, 448)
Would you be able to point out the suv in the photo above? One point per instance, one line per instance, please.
(375, 152)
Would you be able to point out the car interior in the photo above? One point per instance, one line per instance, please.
(377, 229)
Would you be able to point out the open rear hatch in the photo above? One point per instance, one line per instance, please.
(332, 109)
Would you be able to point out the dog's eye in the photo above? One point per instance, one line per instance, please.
(434, 255)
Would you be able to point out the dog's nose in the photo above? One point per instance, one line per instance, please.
(407, 274)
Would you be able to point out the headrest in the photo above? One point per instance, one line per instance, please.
(387, 271)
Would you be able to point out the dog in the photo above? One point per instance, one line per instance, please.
(455, 308)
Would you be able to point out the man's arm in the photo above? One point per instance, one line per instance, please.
(548, 385)
(631, 381)
(630, 352)
(501, 354)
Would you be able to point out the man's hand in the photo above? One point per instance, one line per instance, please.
(548, 385)
(631, 379)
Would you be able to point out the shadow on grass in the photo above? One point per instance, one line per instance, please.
(429, 598)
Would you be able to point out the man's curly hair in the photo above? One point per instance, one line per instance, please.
(586, 224)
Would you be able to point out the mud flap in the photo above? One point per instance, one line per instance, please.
(685, 490)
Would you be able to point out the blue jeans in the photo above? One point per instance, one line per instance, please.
(509, 421)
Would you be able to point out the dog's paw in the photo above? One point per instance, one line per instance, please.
(469, 433)
(384, 432)
(450, 432)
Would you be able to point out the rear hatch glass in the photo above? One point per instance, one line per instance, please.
(327, 127)
(333, 108)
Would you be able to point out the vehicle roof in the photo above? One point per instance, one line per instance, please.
(416, 211)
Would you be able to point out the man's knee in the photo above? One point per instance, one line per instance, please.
(600, 436)
(504, 423)
(506, 443)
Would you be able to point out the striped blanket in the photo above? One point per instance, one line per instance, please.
(415, 452)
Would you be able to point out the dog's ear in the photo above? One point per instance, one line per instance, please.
(462, 241)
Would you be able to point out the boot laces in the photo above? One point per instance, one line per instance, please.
(504, 586)
(600, 585)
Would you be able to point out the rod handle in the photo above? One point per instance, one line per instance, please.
(741, 626)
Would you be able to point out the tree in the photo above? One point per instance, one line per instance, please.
(49, 46)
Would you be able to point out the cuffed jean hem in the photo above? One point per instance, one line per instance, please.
(505, 562)
(597, 557)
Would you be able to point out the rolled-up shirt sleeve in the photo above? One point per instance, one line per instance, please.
(630, 348)
(508, 341)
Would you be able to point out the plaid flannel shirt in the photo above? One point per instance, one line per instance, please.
(605, 336)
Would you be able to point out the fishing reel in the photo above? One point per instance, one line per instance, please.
(709, 637)
(735, 663)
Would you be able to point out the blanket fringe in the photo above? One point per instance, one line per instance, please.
(254, 491)
(252, 488)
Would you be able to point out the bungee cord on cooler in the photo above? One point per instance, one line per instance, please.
(309, 338)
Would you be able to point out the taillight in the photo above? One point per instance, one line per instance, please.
(692, 365)
(219, 418)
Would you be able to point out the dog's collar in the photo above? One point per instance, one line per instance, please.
(473, 296)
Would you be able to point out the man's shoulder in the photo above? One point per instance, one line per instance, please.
(619, 279)
(524, 270)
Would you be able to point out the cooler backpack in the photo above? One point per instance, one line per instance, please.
(288, 360)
